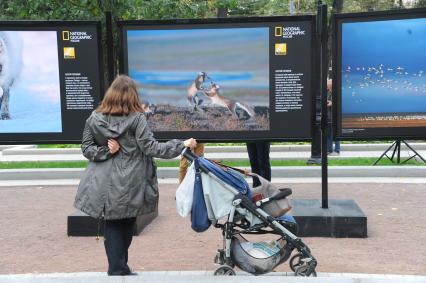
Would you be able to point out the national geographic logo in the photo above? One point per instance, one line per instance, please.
(69, 53)
(278, 31)
(75, 36)
(65, 35)
(289, 32)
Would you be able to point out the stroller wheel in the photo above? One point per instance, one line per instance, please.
(224, 270)
(304, 271)
(295, 262)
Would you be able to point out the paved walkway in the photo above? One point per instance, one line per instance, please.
(207, 277)
(34, 242)
(33, 234)
(359, 180)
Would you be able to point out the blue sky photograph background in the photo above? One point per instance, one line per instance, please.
(397, 51)
(165, 62)
(35, 99)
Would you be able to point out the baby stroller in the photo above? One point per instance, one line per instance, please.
(227, 195)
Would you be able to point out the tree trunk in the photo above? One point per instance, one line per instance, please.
(222, 12)
(338, 6)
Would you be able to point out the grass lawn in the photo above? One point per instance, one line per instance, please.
(58, 146)
(242, 163)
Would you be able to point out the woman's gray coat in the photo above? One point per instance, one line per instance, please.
(122, 185)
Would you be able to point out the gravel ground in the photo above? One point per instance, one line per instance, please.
(33, 234)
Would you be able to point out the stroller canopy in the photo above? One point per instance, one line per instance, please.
(228, 176)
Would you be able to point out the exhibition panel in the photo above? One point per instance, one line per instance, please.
(380, 65)
(224, 79)
(50, 79)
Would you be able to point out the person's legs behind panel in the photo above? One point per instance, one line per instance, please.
(263, 150)
(259, 160)
(329, 138)
(183, 163)
(254, 163)
(337, 146)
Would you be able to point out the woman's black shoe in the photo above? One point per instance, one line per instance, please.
(131, 273)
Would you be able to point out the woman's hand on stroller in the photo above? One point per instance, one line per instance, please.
(191, 143)
(113, 146)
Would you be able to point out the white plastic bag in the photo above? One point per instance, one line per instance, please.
(185, 192)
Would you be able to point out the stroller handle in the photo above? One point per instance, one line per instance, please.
(188, 154)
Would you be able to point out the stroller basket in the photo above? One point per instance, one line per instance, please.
(256, 257)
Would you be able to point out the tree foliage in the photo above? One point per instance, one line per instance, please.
(170, 9)
(368, 5)
(50, 9)
(95, 9)
(420, 4)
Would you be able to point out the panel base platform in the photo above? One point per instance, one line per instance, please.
(342, 219)
(80, 224)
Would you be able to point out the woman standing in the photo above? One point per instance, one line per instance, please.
(120, 181)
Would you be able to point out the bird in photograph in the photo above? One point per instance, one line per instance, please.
(195, 88)
(238, 109)
(148, 108)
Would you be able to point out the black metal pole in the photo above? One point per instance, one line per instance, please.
(399, 152)
(323, 38)
(110, 47)
(395, 150)
(338, 6)
(316, 125)
(385, 154)
(415, 152)
(222, 12)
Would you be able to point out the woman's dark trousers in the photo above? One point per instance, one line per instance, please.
(118, 237)
(259, 160)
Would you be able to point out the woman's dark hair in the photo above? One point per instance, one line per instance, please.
(121, 98)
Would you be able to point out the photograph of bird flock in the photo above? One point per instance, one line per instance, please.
(383, 74)
(202, 79)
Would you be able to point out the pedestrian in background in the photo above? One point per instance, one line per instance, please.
(184, 163)
(330, 150)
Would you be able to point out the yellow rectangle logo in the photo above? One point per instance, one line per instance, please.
(65, 35)
(278, 31)
(69, 53)
(280, 48)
